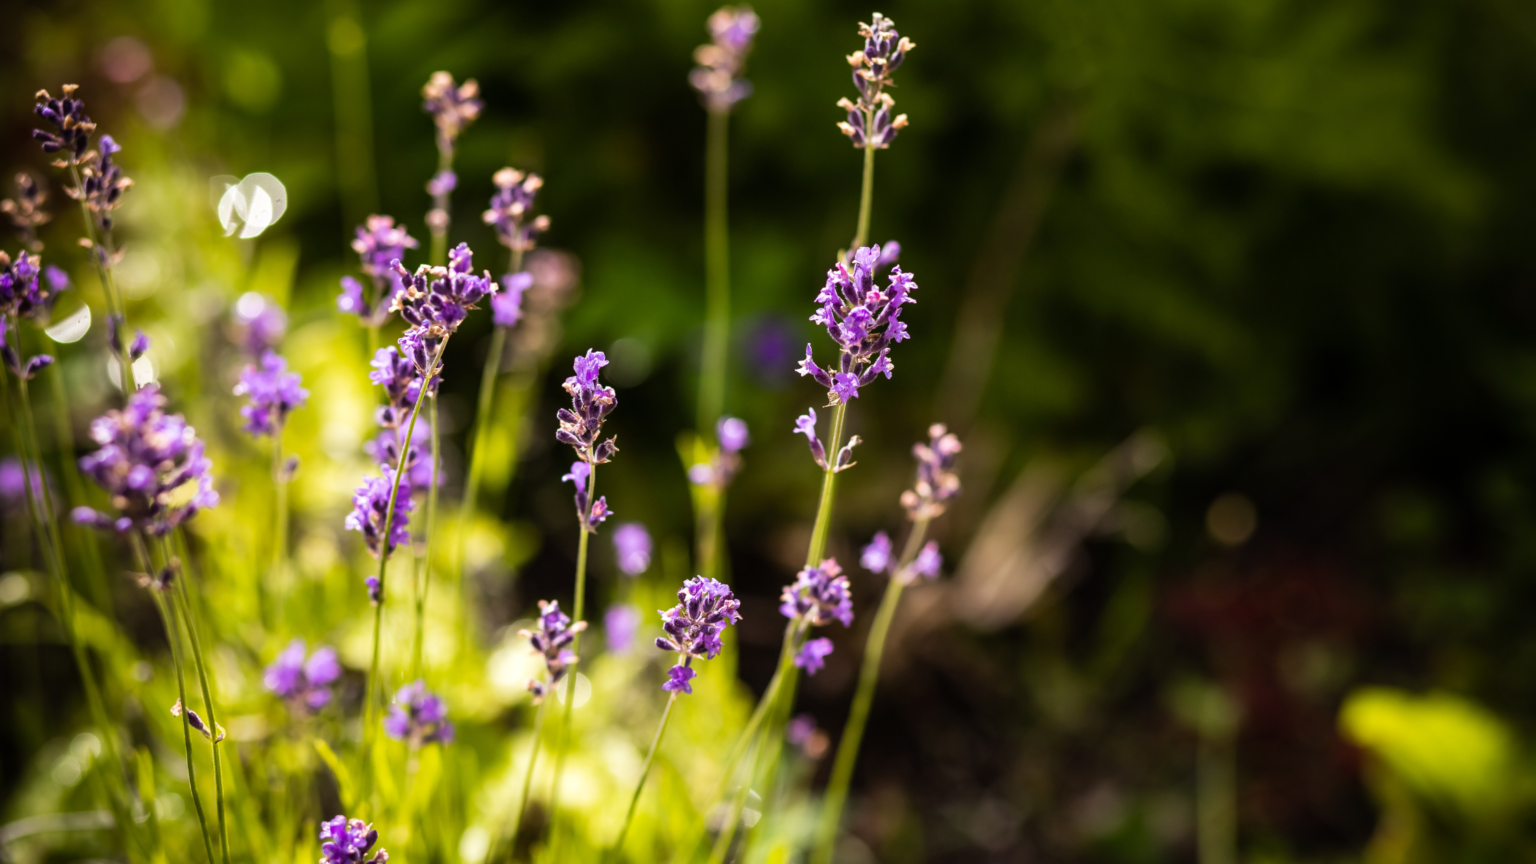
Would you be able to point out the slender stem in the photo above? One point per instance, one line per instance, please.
(470, 505)
(384, 550)
(533, 758)
(869, 674)
(425, 583)
(101, 253)
(823, 526)
(440, 204)
(90, 550)
(717, 275)
(866, 196)
(190, 615)
(173, 636)
(577, 609)
(707, 527)
(645, 771)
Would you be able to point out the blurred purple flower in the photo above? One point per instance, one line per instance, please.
(813, 655)
(507, 304)
(418, 717)
(721, 61)
(273, 391)
(928, 560)
(510, 207)
(678, 678)
(876, 557)
(620, 623)
(305, 683)
(818, 596)
(261, 320)
(13, 482)
(937, 481)
(550, 640)
(347, 842)
(732, 434)
(632, 545)
(452, 106)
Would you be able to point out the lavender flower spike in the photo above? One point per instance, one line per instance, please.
(551, 640)
(869, 120)
(370, 507)
(26, 212)
(22, 294)
(418, 717)
(705, 607)
(863, 319)
(147, 463)
(379, 243)
(818, 596)
(813, 655)
(717, 77)
(510, 207)
(452, 106)
(304, 683)
(937, 481)
(348, 842)
(591, 403)
(632, 546)
(273, 391)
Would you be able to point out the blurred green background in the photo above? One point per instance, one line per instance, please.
(1231, 302)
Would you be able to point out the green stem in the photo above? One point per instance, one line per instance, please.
(645, 771)
(578, 608)
(866, 196)
(823, 526)
(101, 253)
(173, 637)
(89, 548)
(425, 577)
(384, 549)
(869, 674)
(440, 203)
(190, 615)
(717, 275)
(533, 758)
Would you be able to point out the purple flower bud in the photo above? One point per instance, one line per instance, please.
(813, 655)
(732, 433)
(705, 607)
(818, 596)
(273, 391)
(620, 623)
(869, 120)
(928, 560)
(937, 481)
(552, 639)
(303, 683)
(511, 207)
(348, 842)
(591, 403)
(196, 722)
(442, 183)
(418, 717)
(632, 544)
(375, 590)
(877, 555)
(677, 679)
(805, 425)
(151, 465)
(507, 304)
(452, 106)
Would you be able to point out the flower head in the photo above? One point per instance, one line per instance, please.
(705, 607)
(379, 243)
(22, 294)
(937, 481)
(507, 304)
(552, 639)
(435, 300)
(732, 434)
(813, 655)
(348, 842)
(869, 120)
(717, 77)
(877, 555)
(818, 596)
(261, 320)
(304, 682)
(385, 450)
(591, 403)
(511, 207)
(370, 509)
(150, 463)
(418, 717)
(452, 106)
(273, 391)
(863, 319)
(619, 625)
(928, 560)
(26, 212)
(71, 132)
(632, 545)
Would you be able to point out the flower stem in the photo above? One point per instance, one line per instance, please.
(717, 274)
(533, 758)
(190, 615)
(645, 771)
(425, 583)
(866, 196)
(577, 609)
(173, 637)
(440, 203)
(279, 525)
(102, 254)
(869, 674)
(90, 549)
(823, 525)
(384, 549)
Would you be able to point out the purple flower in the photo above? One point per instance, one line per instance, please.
(418, 717)
(434, 301)
(869, 120)
(370, 507)
(677, 679)
(151, 465)
(800, 729)
(632, 545)
(928, 560)
(863, 319)
(818, 596)
(385, 450)
(375, 594)
(510, 207)
(937, 481)
(876, 557)
(442, 183)
(22, 294)
(13, 481)
(805, 425)
(196, 722)
(304, 683)
(378, 243)
(722, 60)
(26, 369)
(452, 106)
(705, 607)
(273, 391)
(732, 433)
(620, 624)
(554, 633)
(262, 320)
(102, 185)
(347, 842)
(507, 304)
(813, 655)
(73, 129)
(591, 403)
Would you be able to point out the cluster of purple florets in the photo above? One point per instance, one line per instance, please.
(147, 460)
(818, 596)
(733, 437)
(717, 77)
(418, 717)
(591, 403)
(305, 682)
(22, 293)
(878, 557)
(551, 640)
(869, 120)
(378, 244)
(452, 106)
(510, 207)
(273, 392)
(402, 388)
(348, 842)
(705, 607)
(71, 133)
(434, 301)
(370, 510)
(863, 319)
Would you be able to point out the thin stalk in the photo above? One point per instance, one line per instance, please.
(102, 253)
(866, 196)
(190, 616)
(425, 583)
(707, 527)
(869, 674)
(717, 275)
(378, 610)
(823, 526)
(470, 505)
(90, 550)
(645, 771)
(440, 203)
(173, 636)
(578, 607)
(280, 528)
(533, 758)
